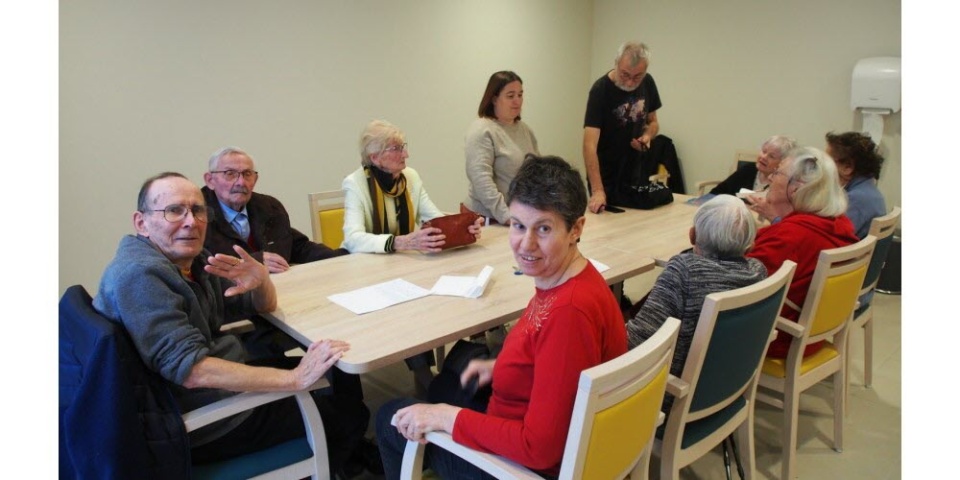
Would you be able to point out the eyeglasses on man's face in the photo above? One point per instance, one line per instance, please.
(232, 175)
(396, 148)
(176, 212)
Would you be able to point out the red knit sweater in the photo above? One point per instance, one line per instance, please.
(562, 332)
(799, 237)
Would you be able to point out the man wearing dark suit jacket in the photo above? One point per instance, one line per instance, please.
(256, 222)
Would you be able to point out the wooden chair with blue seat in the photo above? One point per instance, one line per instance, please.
(616, 412)
(826, 316)
(119, 420)
(714, 396)
(326, 217)
(882, 228)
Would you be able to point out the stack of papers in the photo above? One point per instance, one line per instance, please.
(382, 295)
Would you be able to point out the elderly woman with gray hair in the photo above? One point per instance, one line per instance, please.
(723, 229)
(805, 206)
(756, 176)
(384, 200)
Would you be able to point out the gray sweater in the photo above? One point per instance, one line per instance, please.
(174, 323)
(494, 153)
(679, 292)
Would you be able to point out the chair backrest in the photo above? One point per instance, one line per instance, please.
(326, 217)
(882, 228)
(617, 408)
(744, 157)
(728, 346)
(834, 289)
(117, 419)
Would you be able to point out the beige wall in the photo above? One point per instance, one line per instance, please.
(150, 86)
(731, 74)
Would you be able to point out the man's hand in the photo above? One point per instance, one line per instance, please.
(482, 369)
(597, 201)
(275, 263)
(415, 421)
(320, 356)
(641, 143)
(245, 272)
(427, 240)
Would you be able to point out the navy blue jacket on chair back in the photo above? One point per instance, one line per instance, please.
(117, 419)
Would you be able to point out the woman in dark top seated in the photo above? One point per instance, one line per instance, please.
(756, 176)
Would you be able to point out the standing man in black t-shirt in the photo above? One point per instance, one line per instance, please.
(621, 120)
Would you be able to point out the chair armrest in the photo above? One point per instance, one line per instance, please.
(241, 402)
(702, 186)
(238, 327)
(792, 328)
(495, 465)
(677, 387)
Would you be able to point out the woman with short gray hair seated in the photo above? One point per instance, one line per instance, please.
(723, 229)
(756, 175)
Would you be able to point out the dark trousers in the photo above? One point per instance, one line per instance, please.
(345, 420)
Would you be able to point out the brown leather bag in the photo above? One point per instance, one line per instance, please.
(455, 227)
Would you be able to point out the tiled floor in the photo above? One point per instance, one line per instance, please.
(872, 445)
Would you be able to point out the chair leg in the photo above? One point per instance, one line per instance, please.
(791, 405)
(642, 470)
(744, 435)
(839, 407)
(868, 353)
(736, 455)
(726, 458)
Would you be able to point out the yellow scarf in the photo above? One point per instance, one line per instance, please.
(405, 216)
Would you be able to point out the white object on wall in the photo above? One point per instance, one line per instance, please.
(875, 91)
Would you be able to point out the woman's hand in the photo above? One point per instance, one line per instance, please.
(476, 228)
(482, 369)
(428, 240)
(415, 421)
(768, 210)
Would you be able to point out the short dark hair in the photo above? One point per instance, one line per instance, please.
(857, 150)
(494, 86)
(145, 188)
(550, 184)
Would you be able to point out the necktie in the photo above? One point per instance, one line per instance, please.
(241, 225)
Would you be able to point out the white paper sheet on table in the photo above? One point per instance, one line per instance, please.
(463, 286)
(379, 296)
(601, 267)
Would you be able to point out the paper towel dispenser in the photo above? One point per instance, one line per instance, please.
(876, 84)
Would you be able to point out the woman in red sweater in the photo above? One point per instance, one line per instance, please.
(572, 323)
(805, 205)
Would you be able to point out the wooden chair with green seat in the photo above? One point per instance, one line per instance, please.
(882, 228)
(714, 396)
(740, 158)
(826, 316)
(119, 420)
(615, 414)
(326, 217)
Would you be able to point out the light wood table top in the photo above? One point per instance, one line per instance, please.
(627, 242)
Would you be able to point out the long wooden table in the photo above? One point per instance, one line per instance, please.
(628, 242)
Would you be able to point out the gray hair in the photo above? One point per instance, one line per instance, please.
(820, 192)
(724, 227)
(636, 52)
(375, 137)
(142, 200)
(782, 143)
(223, 152)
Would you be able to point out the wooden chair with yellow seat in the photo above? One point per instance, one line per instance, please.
(826, 316)
(714, 396)
(326, 217)
(740, 158)
(614, 417)
(882, 228)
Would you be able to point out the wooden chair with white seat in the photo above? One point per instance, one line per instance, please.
(615, 415)
(826, 315)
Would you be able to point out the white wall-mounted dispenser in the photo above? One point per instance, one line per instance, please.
(875, 91)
